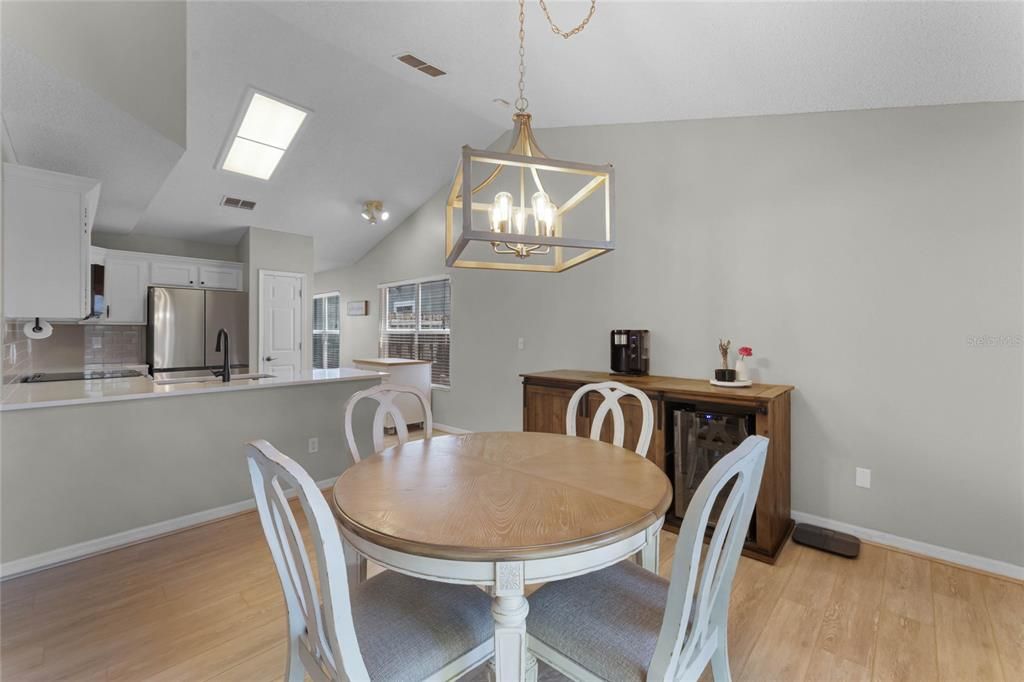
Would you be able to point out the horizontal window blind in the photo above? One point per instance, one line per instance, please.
(416, 324)
(327, 331)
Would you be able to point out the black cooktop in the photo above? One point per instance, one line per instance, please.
(44, 377)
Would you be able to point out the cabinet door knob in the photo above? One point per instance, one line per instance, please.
(191, 282)
(269, 359)
(202, 282)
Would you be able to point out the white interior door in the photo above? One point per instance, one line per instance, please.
(281, 323)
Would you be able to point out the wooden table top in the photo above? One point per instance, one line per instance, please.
(500, 496)
(658, 384)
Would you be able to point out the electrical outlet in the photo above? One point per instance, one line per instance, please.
(863, 479)
(521, 344)
(314, 445)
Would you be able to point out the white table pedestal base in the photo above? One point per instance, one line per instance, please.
(511, 661)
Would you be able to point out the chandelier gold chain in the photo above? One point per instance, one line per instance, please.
(521, 102)
(579, 27)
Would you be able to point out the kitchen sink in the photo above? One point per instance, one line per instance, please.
(209, 379)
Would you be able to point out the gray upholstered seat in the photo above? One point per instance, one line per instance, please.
(608, 621)
(409, 628)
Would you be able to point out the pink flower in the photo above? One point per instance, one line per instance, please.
(746, 351)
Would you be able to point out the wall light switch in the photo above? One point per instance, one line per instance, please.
(863, 478)
(521, 344)
(314, 445)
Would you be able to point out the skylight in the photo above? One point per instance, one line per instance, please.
(262, 136)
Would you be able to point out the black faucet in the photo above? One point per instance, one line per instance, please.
(225, 373)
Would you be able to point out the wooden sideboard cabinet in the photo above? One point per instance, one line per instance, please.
(546, 398)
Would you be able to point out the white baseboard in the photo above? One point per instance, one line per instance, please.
(450, 429)
(952, 556)
(108, 543)
(81, 550)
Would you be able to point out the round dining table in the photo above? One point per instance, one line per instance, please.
(503, 510)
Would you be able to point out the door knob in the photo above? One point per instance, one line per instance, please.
(269, 358)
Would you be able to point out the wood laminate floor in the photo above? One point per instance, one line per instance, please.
(205, 604)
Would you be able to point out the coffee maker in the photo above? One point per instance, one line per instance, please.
(630, 351)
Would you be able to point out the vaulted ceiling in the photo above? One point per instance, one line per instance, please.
(381, 130)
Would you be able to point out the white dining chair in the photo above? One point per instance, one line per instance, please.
(612, 391)
(392, 627)
(385, 395)
(625, 623)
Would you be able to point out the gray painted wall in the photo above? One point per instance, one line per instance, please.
(859, 254)
(77, 473)
(264, 249)
(168, 246)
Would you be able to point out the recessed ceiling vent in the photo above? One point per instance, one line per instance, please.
(420, 65)
(235, 202)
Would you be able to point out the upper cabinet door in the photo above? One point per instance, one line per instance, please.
(47, 220)
(221, 277)
(124, 288)
(174, 274)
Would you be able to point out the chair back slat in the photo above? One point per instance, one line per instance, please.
(612, 391)
(299, 573)
(320, 621)
(384, 395)
(698, 601)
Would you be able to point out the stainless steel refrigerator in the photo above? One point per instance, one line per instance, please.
(182, 332)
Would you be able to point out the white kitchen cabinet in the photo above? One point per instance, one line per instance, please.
(124, 289)
(47, 221)
(222, 276)
(174, 273)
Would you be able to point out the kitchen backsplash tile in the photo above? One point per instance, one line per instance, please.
(16, 359)
(71, 347)
(113, 345)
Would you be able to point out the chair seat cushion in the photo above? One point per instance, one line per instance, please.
(409, 628)
(607, 622)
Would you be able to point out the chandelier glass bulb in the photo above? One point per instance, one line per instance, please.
(519, 220)
(543, 214)
(501, 212)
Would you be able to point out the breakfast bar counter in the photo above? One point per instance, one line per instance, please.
(22, 396)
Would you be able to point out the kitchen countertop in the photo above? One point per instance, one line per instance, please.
(54, 394)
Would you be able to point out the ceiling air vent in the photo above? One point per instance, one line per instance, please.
(420, 65)
(235, 202)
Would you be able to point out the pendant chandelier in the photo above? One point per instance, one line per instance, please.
(517, 223)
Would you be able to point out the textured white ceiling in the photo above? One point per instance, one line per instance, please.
(370, 136)
(58, 124)
(660, 61)
(382, 130)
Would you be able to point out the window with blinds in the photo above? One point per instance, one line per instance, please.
(415, 323)
(327, 331)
